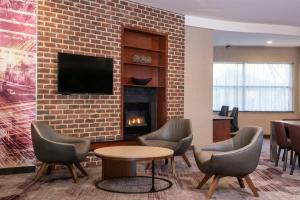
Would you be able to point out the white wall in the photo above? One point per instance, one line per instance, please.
(262, 54)
(198, 82)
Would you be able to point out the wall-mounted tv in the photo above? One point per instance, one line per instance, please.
(84, 74)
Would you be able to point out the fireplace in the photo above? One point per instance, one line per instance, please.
(137, 120)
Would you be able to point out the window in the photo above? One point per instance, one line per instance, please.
(253, 87)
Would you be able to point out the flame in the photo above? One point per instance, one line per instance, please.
(135, 121)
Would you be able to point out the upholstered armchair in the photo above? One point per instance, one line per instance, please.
(52, 148)
(175, 134)
(237, 157)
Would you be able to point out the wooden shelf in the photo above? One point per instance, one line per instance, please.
(141, 42)
(146, 49)
(144, 86)
(144, 65)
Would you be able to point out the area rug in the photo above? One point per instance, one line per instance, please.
(271, 181)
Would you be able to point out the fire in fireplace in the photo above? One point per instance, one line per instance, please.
(137, 120)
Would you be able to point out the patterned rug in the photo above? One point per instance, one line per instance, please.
(271, 181)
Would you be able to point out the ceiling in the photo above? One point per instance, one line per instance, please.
(241, 22)
(279, 12)
(223, 38)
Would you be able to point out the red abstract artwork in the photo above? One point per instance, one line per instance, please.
(17, 81)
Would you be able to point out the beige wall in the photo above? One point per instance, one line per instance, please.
(198, 82)
(262, 54)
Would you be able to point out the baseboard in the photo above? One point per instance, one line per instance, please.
(17, 170)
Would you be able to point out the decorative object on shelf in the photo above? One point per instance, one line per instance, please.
(141, 81)
(142, 59)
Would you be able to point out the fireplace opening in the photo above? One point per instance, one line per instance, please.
(137, 120)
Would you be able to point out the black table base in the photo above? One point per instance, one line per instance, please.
(152, 177)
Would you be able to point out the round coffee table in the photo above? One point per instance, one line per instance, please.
(120, 162)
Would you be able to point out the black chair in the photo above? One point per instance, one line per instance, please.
(224, 111)
(234, 122)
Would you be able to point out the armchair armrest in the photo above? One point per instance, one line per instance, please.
(184, 144)
(223, 146)
(55, 152)
(155, 135)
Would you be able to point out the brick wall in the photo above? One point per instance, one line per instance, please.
(94, 28)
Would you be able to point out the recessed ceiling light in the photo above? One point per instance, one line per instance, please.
(269, 42)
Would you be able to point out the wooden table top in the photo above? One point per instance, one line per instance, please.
(219, 117)
(292, 122)
(130, 153)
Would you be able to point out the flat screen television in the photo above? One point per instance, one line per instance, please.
(84, 74)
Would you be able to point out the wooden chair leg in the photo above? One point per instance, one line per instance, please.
(213, 187)
(204, 180)
(278, 156)
(73, 173)
(283, 156)
(50, 168)
(40, 172)
(173, 166)
(81, 169)
(285, 159)
(186, 160)
(148, 166)
(241, 182)
(294, 163)
(251, 185)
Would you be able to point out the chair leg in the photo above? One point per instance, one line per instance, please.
(166, 161)
(50, 168)
(213, 186)
(251, 185)
(291, 157)
(73, 173)
(278, 156)
(294, 163)
(81, 169)
(204, 180)
(283, 156)
(186, 160)
(148, 166)
(285, 159)
(40, 172)
(173, 166)
(241, 182)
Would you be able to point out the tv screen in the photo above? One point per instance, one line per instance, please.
(84, 74)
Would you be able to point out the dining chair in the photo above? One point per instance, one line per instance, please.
(284, 143)
(295, 142)
(234, 121)
(224, 111)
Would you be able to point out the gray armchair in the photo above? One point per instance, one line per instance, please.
(175, 134)
(237, 157)
(52, 148)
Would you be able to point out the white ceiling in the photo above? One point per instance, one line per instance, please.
(223, 38)
(280, 12)
(241, 22)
